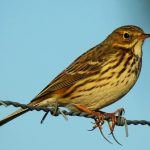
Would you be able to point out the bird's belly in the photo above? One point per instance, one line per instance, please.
(97, 96)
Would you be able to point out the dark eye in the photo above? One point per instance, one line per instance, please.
(126, 35)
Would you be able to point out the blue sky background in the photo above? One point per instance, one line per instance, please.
(38, 39)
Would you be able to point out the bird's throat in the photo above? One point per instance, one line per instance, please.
(137, 49)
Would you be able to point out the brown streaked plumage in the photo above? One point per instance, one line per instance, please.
(99, 77)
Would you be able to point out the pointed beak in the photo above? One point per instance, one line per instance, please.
(144, 36)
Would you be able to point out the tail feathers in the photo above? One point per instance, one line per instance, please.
(13, 116)
(19, 112)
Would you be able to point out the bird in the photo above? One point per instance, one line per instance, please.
(99, 77)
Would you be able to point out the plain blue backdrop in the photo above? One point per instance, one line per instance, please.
(38, 39)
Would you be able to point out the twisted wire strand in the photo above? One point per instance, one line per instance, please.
(121, 121)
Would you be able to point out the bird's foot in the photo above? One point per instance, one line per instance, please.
(112, 118)
(100, 118)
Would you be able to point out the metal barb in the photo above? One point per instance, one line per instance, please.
(126, 127)
(44, 117)
(61, 112)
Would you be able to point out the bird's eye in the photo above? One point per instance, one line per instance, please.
(126, 35)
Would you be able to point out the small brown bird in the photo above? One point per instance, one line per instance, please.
(96, 79)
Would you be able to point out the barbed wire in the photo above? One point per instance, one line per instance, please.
(121, 121)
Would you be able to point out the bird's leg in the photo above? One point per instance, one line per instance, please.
(99, 120)
(112, 121)
(100, 116)
(99, 123)
(112, 118)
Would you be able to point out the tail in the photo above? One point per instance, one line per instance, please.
(13, 116)
(16, 114)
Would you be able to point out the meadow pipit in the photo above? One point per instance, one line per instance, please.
(96, 79)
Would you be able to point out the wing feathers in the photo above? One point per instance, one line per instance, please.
(87, 64)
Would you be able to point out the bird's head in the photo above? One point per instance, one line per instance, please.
(128, 37)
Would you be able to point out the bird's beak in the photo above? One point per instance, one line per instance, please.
(144, 36)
